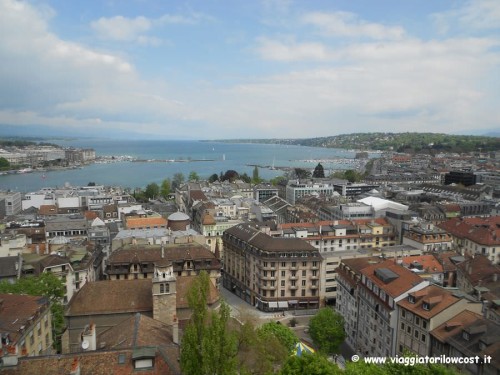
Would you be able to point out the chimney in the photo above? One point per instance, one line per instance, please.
(75, 367)
(175, 330)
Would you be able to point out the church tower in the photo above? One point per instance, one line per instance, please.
(164, 292)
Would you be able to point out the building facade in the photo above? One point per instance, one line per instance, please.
(271, 273)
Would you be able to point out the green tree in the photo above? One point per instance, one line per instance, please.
(259, 354)
(327, 330)
(276, 180)
(310, 364)
(255, 175)
(165, 188)
(4, 164)
(47, 285)
(193, 176)
(230, 175)
(177, 180)
(352, 175)
(284, 334)
(301, 173)
(152, 190)
(213, 178)
(389, 368)
(207, 345)
(245, 178)
(319, 172)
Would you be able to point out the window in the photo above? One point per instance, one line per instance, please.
(416, 334)
(303, 283)
(411, 298)
(402, 326)
(304, 273)
(417, 320)
(282, 293)
(303, 293)
(282, 282)
(424, 324)
(283, 264)
(283, 273)
(304, 264)
(426, 306)
(465, 335)
(423, 337)
(162, 288)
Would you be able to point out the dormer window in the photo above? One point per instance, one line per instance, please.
(411, 298)
(426, 306)
(465, 335)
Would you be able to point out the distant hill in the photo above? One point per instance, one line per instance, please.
(401, 142)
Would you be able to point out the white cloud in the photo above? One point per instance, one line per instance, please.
(276, 50)
(121, 28)
(476, 14)
(345, 24)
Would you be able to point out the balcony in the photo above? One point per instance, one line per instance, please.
(293, 287)
(268, 287)
(313, 287)
(293, 277)
(262, 277)
(314, 277)
(293, 268)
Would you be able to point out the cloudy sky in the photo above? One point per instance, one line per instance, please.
(207, 69)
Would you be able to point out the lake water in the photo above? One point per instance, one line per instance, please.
(221, 156)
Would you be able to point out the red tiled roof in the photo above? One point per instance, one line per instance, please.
(16, 311)
(454, 325)
(484, 231)
(405, 281)
(105, 297)
(478, 269)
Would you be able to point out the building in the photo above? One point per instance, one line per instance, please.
(271, 273)
(262, 192)
(138, 261)
(341, 239)
(468, 334)
(25, 327)
(298, 189)
(424, 310)
(427, 237)
(460, 177)
(10, 203)
(377, 287)
(351, 190)
(475, 235)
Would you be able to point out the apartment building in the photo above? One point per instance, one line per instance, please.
(475, 235)
(271, 273)
(373, 289)
(427, 236)
(424, 310)
(341, 239)
(468, 334)
(26, 328)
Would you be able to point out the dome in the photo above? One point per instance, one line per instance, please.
(178, 216)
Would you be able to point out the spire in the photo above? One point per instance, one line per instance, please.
(217, 249)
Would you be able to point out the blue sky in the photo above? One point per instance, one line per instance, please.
(209, 69)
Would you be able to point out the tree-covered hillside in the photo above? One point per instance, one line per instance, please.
(403, 142)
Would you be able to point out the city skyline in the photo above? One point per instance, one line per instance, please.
(264, 69)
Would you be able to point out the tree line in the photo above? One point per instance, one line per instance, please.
(214, 343)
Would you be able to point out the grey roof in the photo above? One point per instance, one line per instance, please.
(260, 240)
(8, 266)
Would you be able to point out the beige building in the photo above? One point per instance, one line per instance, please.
(26, 327)
(424, 310)
(427, 237)
(271, 273)
(341, 239)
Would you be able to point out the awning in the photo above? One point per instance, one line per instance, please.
(283, 304)
(273, 305)
(293, 302)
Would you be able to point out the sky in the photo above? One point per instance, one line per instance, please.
(220, 69)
